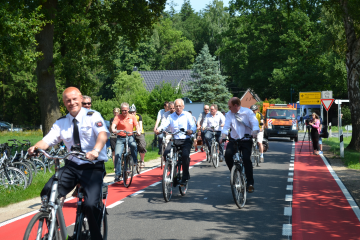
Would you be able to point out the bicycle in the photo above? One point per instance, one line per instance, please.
(162, 150)
(255, 154)
(49, 223)
(127, 161)
(11, 178)
(39, 165)
(172, 171)
(214, 158)
(238, 180)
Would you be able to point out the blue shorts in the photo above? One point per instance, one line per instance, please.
(320, 140)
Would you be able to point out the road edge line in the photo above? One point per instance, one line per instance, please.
(346, 193)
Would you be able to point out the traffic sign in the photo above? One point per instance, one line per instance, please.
(327, 103)
(326, 95)
(310, 98)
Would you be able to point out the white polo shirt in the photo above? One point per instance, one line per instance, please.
(90, 124)
(175, 122)
(214, 121)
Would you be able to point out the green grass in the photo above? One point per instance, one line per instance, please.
(31, 192)
(32, 136)
(351, 157)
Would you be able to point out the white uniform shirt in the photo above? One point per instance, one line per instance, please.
(201, 118)
(214, 121)
(176, 122)
(89, 128)
(161, 115)
(238, 130)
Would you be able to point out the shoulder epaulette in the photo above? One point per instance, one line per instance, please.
(62, 117)
(90, 113)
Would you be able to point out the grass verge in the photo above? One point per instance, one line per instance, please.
(351, 157)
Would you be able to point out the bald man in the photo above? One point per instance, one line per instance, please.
(176, 121)
(81, 130)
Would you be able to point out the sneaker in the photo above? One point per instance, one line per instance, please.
(321, 152)
(250, 189)
(261, 159)
(195, 150)
(118, 179)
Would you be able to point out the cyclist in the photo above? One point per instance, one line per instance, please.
(127, 122)
(81, 130)
(160, 118)
(140, 139)
(116, 112)
(260, 135)
(167, 114)
(214, 119)
(177, 120)
(241, 121)
(86, 102)
(200, 123)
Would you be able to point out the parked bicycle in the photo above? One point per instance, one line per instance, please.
(172, 173)
(238, 178)
(127, 160)
(11, 178)
(49, 223)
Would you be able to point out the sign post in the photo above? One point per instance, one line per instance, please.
(341, 137)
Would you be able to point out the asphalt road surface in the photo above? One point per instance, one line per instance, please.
(208, 210)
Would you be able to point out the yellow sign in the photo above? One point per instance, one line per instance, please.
(310, 98)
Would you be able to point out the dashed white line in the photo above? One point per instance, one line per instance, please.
(154, 184)
(287, 230)
(290, 180)
(289, 187)
(291, 174)
(137, 193)
(288, 211)
(291, 168)
(288, 197)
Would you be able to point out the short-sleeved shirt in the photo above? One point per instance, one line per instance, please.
(214, 121)
(139, 119)
(176, 122)
(113, 135)
(90, 124)
(161, 115)
(125, 123)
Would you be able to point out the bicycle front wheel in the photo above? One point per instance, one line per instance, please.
(26, 169)
(167, 181)
(128, 171)
(215, 155)
(13, 179)
(238, 186)
(162, 155)
(38, 228)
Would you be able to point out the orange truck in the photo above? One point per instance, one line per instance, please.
(280, 120)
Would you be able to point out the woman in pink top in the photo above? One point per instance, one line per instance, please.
(315, 131)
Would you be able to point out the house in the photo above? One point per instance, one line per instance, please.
(249, 98)
(177, 78)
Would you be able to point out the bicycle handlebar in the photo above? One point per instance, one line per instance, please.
(77, 154)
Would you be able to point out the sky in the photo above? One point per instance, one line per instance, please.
(197, 5)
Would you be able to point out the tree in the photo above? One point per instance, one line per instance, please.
(79, 29)
(159, 95)
(209, 85)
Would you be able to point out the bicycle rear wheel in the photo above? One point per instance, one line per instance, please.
(162, 155)
(167, 181)
(12, 180)
(38, 227)
(84, 233)
(215, 155)
(138, 167)
(238, 186)
(128, 171)
(208, 157)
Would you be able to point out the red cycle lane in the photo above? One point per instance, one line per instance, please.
(320, 209)
(117, 192)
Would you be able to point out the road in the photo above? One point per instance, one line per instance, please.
(208, 210)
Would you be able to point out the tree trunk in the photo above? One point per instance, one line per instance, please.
(353, 74)
(48, 101)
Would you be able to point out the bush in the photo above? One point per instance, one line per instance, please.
(346, 118)
(148, 122)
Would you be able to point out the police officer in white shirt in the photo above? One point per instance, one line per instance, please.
(241, 121)
(177, 120)
(214, 119)
(161, 118)
(84, 130)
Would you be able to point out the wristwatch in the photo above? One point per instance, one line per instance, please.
(97, 150)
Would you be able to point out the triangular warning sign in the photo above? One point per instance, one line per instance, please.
(327, 103)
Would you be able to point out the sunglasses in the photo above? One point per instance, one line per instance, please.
(206, 108)
(86, 103)
(124, 110)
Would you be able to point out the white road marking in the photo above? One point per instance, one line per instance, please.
(287, 230)
(288, 211)
(290, 180)
(115, 204)
(291, 164)
(288, 197)
(291, 174)
(289, 187)
(153, 185)
(137, 193)
(291, 169)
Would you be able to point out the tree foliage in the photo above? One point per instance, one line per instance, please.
(209, 85)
